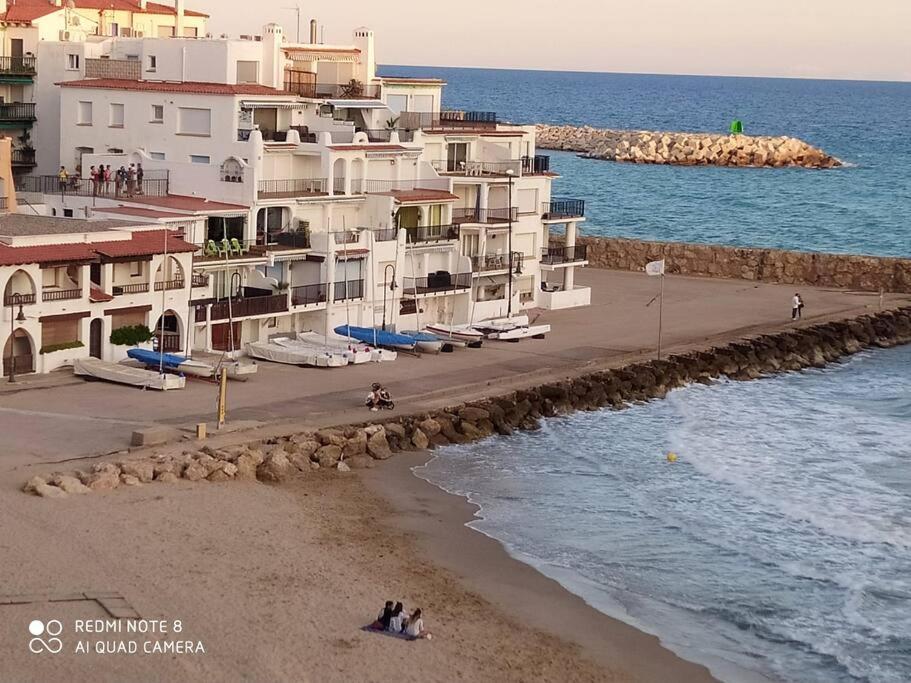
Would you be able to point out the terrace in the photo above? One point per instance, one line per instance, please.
(437, 283)
(234, 249)
(563, 209)
(537, 164)
(252, 303)
(452, 120)
(22, 66)
(292, 187)
(485, 216)
(352, 90)
(556, 256)
(309, 295)
(491, 263)
(20, 112)
(425, 234)
(75, 186)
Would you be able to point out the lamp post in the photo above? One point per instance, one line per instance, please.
(391, 288)
(509, 173)
(15, 299)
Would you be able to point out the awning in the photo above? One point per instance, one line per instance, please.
(266, 104)
(356, 104)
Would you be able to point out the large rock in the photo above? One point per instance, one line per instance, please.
(32, 484)
(143, 470)
(246, 465)
(419, 439)
(69, 484)
(195, 471)
(105, 477)
(430, 427)
(360, 462)
(225, 472)
(167, 477)
(378, 446)
(49, 491)
(329, 455)
(331, 437)
(356, 444)
(275, 467)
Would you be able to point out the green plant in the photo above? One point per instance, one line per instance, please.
(282, 286)
(391, 123)
(131, 335)
(50, 348)
(353, 88)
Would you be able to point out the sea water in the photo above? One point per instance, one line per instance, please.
(778, 543)
(861, 208)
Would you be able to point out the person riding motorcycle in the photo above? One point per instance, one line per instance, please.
(379, 397)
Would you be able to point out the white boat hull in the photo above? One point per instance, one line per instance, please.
(458, 335)
(520, 333)
(126, 374)
(354, 352)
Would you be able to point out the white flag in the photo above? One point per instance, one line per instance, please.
(655, 267)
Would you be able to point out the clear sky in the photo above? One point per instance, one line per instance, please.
(860, 39)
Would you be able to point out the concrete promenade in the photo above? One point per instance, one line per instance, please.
(61, 419)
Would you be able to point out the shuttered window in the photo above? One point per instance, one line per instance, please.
(192, 121)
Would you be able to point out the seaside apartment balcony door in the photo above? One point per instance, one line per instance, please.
(456, 156)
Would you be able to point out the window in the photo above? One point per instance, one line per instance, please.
(165, 31)
(72, 62)
(192, 121)
(157, 155)
(68, 213)
(247, 72)
(135, 268)
(199, 159)
(115, 116)
(153, 63)
(190, 32)
(84, 114)
(157, 113)
(114, 29)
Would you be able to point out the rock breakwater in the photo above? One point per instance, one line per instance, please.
(684, 149)
(358, 446)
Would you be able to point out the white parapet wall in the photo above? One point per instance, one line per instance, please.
(577, 296)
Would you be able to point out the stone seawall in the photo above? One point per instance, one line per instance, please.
(359, 446)
(684, 149)
(865, 273)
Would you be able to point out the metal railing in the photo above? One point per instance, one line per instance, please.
(138, 288)
(60, 294)
(307, 295)
(246, 306)
(488, 216)
(368, 186)
(447, 120)
(22, 111)
(352, 289)
(168, 284)
(291, 187)
(562, 208)
(346, 236)
(341, 91)
(478, 168)
(23, 157)
(199, 280)
(438, 282)
(121, 69)
(385, 234)
(539, 163)
(385, 134)
(338, 185)
(485, 263)
(555, 255)
(84, 187)
(17, 66)
(432, 233)
(2, 202)
(16, 299)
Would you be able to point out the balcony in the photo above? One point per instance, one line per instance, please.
(369, 186)
(17, 67)
(352, 289)
(448, 120)
(384, 234)
(436, 283)
(23, 158)
(478, 169)
(23, 112)
(75, 186)
(485, 216)
(425, 234)
(555, 256)
(381, 135)
(17, 299)
(242, 307)
(291, 187)
(346, 237)
(539, 163)
(488, 263)
(352, 90)
(3, 203)
(61, 294)
(199, 280)
(309, 295)
(230, 249)
(138, 288)
(168, 285)
(562, 209)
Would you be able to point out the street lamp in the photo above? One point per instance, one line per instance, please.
(391, 288)
(509, 173)
(15, 299)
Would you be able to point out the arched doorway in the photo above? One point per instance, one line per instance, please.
(19, 348)
(338, 177)
(20, 288)
(96, 329)
(167, 332)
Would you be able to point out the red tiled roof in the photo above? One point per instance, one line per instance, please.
(191, 87)
(140, 211)
(419, 195)
(27, 10)
(141, 244)
(186, 203)
(96, 295)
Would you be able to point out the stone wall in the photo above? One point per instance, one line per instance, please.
(684, 149)
(359, 446)
(866, 273)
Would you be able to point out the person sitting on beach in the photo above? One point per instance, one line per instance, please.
(397, 621)
(383, 618)
(373, 398)
(415, 627)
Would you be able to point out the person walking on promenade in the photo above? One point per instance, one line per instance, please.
(796, 307)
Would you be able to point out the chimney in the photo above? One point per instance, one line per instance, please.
(178, 7)
(142, 5)
(313, 32)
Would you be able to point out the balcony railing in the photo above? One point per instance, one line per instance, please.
(438, 282)
(60, 294)
(432, 233)
(385, 234)
(75, 186)
(448, 120)
(246, 306)
(17, 66)
(346, 237)
(16, 299)
(307, 295)
(341, 91)
(352, 289)
(563, 208)
(486, 263)
(138, 288)
(199, 280)
(556, 255)
(168, 284)
(369, 186)
(486, 216)
(291, 187)
(385, 134)
(478, 168)
(2, 202)
(539, 163)
(24, 111)
(23, 157)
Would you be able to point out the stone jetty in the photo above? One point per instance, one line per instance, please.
(684, 149)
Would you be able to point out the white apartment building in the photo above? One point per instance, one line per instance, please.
(316, 193)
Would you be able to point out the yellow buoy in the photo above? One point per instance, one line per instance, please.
(671, 457)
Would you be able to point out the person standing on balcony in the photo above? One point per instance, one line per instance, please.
(107, 178)
(94, 174)
(131, 180)
(139, 175)
(62, 177)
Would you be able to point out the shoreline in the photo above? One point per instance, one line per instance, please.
(437, 521)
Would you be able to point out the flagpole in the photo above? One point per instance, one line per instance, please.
(660, 313)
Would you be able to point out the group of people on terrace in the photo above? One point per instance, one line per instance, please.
(126, 181)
